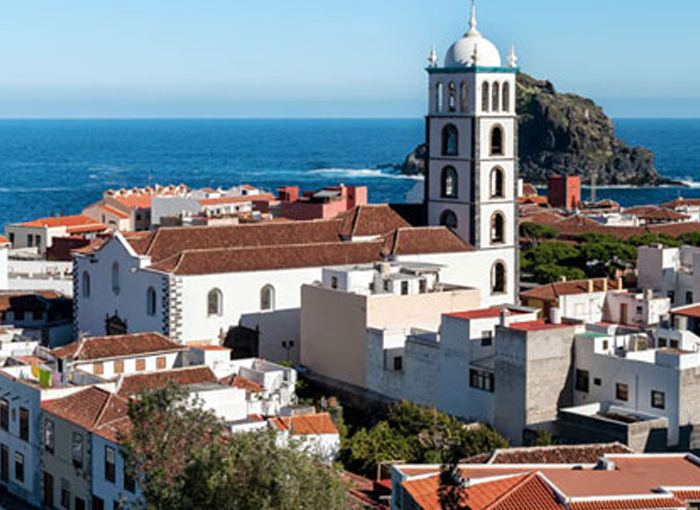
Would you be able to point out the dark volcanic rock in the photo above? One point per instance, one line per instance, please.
(567, 134)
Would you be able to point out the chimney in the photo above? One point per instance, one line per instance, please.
(555, 316)
(504, 316)
(562, 279)
(590, 286)
(649, 294)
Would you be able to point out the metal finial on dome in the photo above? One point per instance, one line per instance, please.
(512, 57)
(433, 58)
(472, 22)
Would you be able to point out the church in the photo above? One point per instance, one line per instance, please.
(221, 283)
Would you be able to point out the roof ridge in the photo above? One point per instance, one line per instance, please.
(274, 247)
(527, 477)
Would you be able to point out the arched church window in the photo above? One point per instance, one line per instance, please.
(496, 97)
(439, 97)
(452, 97)
(498, 226)
(450, 141)
(506, 97)
(464, 99)
(449, 219)
(497, 141)
(151, 303)
(449, 182)
(267, 298)
(86, 285)
(485, 97)
(215, 302)
(115, 277)
(497, 183)
(498, 278)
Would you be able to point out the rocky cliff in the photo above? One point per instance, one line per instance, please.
(567, 134)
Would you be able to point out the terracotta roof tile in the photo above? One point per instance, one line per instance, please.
(305, 425)
(370, 220)
(689, 311)
(114, 211)
(416, 240)
(682, 202)
(655, 213)
(628, 504)
(558, 454)
(237, 199)
(539, 325)
(73, 224)
(688, 495)
(552, 291)
(133, 384)
(4, 240)
(238, 381)
(487, 313)
(114, 346)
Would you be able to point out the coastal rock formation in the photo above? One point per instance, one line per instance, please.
(567, 134)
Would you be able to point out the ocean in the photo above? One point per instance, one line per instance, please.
(60, 166)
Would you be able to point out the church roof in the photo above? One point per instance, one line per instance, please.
(473, 49)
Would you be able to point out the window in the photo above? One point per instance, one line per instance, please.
(658, 399)
(485, 97)
(110, 464)
(4, 414)
(4, 463)
(481, 380)
(640, 310)
(98, 503)
(423, 286)
(597, 381)
(495, 97)
(497, 183)
(672, 296)
(151, 301)
(48, 489)
(334, 282)
(140, 365)
(582, 380)
(86, 284)
(214, 302)
(160, 362)
(497, 228)
(19, 467)
(119, 367)
(688, 298)
(465, 97)
(79, 504)
(486, 338)
(439, 97)
(452, 97)
(267, 298)
(449, 182)
(77, 450)
(38, 241)
(23, 424)
(662, 343)
(605, 345)
(98, 368)
(449, 219)
(30, 240)
(498, 278)
(49, 436)
(65, 493)
(129, 481)
(674, 344)
(450, 141)
(497, 141)
(506, 97)
(404, 288)
(115, 277)
(12, 238)
(398, 363)
(622, 392)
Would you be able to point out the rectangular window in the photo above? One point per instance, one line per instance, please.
(140, 365)
(689, 298)
(605, 345)
(12, 238)
(662, 343)
(119, 367)
(404, 288)
(640, 310)
(398, 363)
(4, 463)
(387, 286)
(79, 504)
(582, 380)
(98, 503)
(4, 414)
(19, 467)
(674, 344)
(30, 240)
(622, 392)
(129, 482)
(160, 363)
(77, 450)
(110, 464)
(23, 424)
(481, 380)
(98, 368)
(423, 286)
(672, 296)
(48, 489)
(334, 282)
(597, 381)
(48, 436)
(65, 493)
(486, 338)
(658, 399)
(38, 241)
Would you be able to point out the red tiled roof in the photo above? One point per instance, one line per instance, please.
(415, 240)
(689, 311)
(135, 201)
(486, 313)
(681, 202)
(687, 495)
(134, 384)
(73, 224)
(628, 504)
(137, 344)
(552, 291)
(237, 199)
(543, 217)
(4, 240)
(238, 381)
(540, 325)
(306, 425)
(558, 454)
(655, 213)
(112, 210)
(370, 220)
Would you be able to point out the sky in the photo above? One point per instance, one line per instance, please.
(329, 58)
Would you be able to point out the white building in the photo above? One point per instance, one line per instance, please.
(672, 272)
(39, 234)
(313, 433)
(4, 268)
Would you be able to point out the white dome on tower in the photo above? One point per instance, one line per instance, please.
(473, 49)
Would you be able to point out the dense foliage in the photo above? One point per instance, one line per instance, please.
(184, 459)
(415, 434)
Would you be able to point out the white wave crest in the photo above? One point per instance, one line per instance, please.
(365, 172)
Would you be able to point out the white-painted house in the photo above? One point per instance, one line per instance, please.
(672, 272)
(4, 266)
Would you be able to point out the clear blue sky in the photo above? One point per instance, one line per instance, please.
(311, 58)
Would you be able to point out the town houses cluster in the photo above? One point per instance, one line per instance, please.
(222, 290)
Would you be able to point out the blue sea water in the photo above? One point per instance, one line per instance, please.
(55, 166)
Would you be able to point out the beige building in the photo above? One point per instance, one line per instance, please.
(337, 312)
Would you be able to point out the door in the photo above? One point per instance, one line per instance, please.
(4, 463)
(623, 313)
(48, 489)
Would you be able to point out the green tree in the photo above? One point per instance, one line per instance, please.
(690, 239)
(548, 273)
(647, 239)
(185, 459)
(368, 448)
(604, 258)
(537, 231)
(552, 253)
